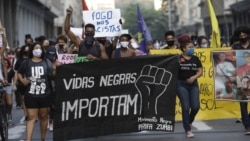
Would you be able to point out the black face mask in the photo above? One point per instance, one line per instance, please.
(45, 47)
(170, 43)
(75, 52)
(26, 53)
(243, 40)
(89, 40)
(89, 33)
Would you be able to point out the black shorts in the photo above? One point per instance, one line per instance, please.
(37, 102)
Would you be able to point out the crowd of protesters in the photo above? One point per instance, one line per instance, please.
(27, 72)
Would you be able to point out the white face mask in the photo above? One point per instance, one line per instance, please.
(134, 45)
(204, 45)
(37, 52)
(124, 44)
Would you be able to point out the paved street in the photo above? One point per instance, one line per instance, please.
(212, 130)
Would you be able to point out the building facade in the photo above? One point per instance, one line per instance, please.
(76, 17)
(192, 16)
(36, 17)
(22, 17)
(241, 13)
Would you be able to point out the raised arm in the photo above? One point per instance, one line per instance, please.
(67, 30)
(2, 50)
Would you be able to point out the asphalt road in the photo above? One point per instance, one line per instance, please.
(211, 130)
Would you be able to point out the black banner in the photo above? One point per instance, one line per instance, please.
(115, 96)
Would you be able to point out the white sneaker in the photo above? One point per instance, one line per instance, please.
(51, 127)
(189, 134)
(22, 120)
(48, 125)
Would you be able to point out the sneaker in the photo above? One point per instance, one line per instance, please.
(189, 134)
(238, 121)
(247, 131)
(10, 124)
(22, 120)
(51, 127)
(18, 107)
(9, 116)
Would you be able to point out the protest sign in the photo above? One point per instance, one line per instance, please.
(210, 107)
(77, 31)
(232, 75)
(66, 58)
(106, 22)
(115, 96)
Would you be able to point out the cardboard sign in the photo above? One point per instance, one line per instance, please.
(106, 22)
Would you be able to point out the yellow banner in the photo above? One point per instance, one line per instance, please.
(209, 108)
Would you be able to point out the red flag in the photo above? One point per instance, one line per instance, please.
(84, 5)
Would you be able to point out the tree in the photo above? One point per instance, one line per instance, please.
(155, 20)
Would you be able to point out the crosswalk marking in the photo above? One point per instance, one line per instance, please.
(16, 132)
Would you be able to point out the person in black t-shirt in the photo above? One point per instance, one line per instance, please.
(243, 33)
(188, 91)
(35, 73)
(88, 47)
(18, 86)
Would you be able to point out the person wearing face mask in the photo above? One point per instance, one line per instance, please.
(51, 55)
(187, 88)
(28, 39)
(203, 42)
(61, 44)
(18, 86)
(89, 47)
(124, 50)
(46, 44)
(243, 32)
(134, 46)
(107, 44)
(35, 74)
(170, 40)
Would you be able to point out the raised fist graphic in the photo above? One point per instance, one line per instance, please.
(151, 84)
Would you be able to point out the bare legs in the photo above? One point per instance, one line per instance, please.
(33, 114)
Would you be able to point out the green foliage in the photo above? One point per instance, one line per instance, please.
(156, 21)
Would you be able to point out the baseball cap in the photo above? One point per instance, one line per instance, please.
(51, 53)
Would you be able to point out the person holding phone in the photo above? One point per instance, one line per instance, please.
(61, 44)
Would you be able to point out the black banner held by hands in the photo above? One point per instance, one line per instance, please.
(115, 96)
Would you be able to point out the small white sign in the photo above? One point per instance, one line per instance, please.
(106, 22)
(77, 31)
(66, 58)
